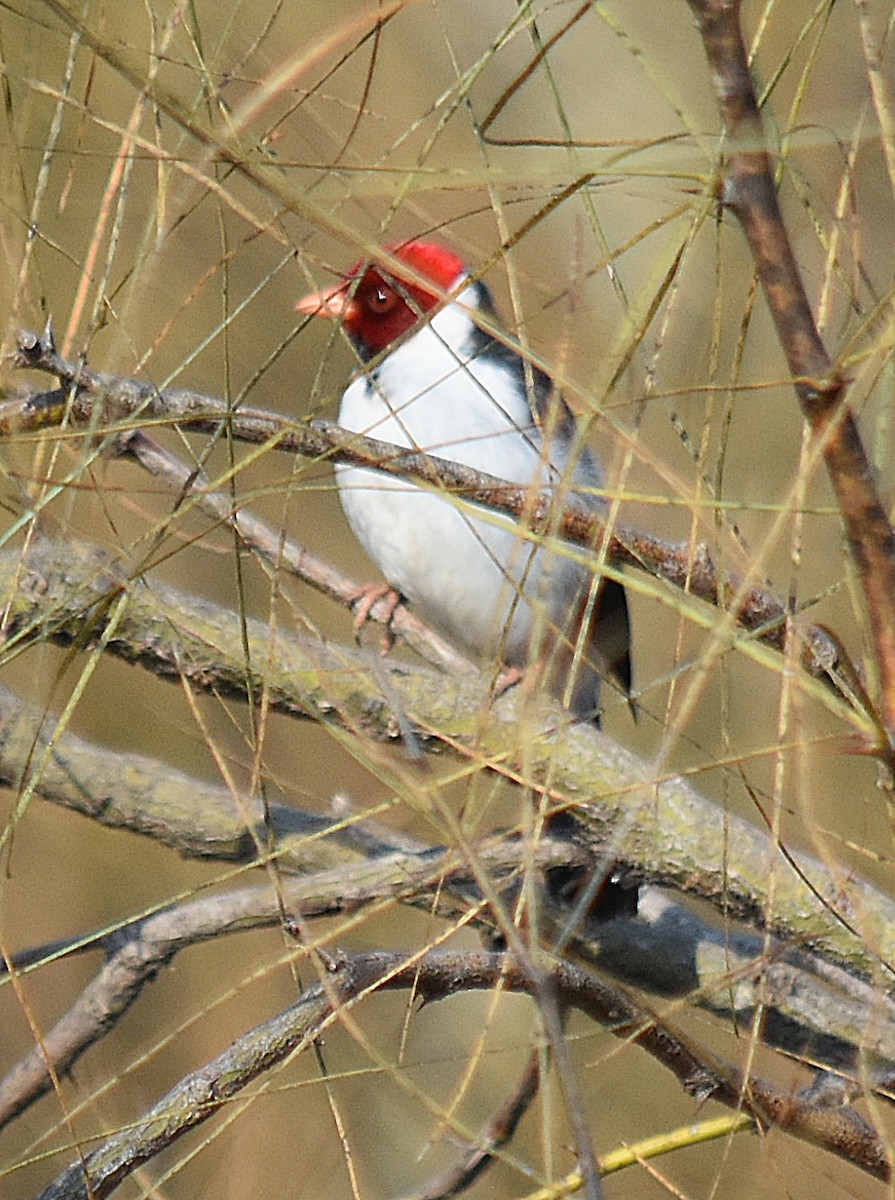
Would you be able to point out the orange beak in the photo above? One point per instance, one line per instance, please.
(334, 302)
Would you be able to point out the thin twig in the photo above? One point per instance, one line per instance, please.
(483, 1153)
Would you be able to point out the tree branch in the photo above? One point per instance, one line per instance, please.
(437, 976)
(749, 191)
(659, 829)
(343, 863)
(688, 568)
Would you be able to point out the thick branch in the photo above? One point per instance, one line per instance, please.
(143, 795)
(810, 1007)
(659, 829)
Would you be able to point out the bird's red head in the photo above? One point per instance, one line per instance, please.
(377, 303)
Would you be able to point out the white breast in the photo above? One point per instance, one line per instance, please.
(472, 577)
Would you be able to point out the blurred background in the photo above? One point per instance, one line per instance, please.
(570, 153)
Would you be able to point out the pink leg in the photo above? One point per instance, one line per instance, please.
(507, 677)
(365, 600)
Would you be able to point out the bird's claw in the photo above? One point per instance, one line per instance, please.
(364, 602)
(507, 677)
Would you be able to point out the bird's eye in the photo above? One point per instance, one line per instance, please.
(380, 300)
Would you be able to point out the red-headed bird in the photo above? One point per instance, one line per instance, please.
(435, 379)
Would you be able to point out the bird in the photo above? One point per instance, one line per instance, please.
(434, 376)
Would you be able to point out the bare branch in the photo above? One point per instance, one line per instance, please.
(145, 796)
(659, 830)
(750, 193)
(437, 976)
(810, 1007)
(437, 880)
(689, 568)
(493, 1138)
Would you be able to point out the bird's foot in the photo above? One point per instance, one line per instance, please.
(363, 603)
(506, 678)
